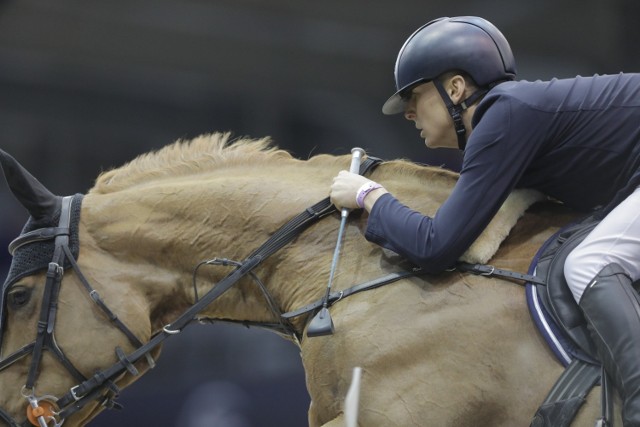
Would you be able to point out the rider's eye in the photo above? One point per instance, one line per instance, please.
(407, 95)
(18, 297)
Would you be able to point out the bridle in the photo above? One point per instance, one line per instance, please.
(101, 386)
(45, 337)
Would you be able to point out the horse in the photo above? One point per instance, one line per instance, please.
(452, 349)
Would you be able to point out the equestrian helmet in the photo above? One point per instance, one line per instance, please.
(465, 43)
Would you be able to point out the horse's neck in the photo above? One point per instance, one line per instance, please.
(159, 232)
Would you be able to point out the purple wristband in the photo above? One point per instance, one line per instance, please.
(364, 190)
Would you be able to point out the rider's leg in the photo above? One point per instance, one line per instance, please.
(612, 309)
(600, 273)
(615, 240)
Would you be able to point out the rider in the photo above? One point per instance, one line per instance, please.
(576, 140)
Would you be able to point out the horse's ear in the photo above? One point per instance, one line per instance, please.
(40, 202)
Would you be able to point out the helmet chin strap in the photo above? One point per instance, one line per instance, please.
(455, 110)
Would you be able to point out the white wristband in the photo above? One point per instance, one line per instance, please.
(364, 190)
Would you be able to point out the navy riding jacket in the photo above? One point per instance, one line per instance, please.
(576, 140)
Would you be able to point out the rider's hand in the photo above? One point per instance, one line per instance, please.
(345, 188)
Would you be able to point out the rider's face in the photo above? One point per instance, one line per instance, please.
(427, 110)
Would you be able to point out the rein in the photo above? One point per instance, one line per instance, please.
(101, 385)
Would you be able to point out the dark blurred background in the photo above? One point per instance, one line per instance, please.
(87, 85)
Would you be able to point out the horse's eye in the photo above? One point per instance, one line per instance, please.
(18, 297)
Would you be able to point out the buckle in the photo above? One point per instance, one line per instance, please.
(75, 395)
(55, 270)
(489, 271)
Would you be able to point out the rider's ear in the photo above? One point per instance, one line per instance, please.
(35, 197)
(456, 87)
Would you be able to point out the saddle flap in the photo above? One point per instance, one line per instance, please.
(556, 296)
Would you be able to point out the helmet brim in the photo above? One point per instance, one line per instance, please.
(398, 101)
(394, 105)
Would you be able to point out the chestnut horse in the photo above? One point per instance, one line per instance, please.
(436, 350)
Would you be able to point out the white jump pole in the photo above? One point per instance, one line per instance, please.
(352, 401)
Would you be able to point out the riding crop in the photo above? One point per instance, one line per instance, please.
(322, 323)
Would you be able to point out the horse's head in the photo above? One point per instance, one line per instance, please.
(47, 361)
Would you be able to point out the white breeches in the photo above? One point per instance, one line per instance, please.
(615, 240)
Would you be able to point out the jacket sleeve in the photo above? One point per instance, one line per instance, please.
(493, 163)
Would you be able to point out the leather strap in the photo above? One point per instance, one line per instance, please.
(337, 296)
(567, 395)
(489, 270)
(479, 269)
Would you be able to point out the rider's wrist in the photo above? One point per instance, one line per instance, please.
(364, 191)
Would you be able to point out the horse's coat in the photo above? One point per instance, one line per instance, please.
(448, 350)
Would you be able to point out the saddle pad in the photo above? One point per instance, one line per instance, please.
(487, 244)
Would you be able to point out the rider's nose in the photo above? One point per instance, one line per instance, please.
(410, 111)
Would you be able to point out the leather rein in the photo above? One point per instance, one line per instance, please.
(101, 385)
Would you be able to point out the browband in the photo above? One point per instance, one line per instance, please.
(37, 236)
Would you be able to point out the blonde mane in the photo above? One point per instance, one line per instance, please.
(185, 157)
(216, 150)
